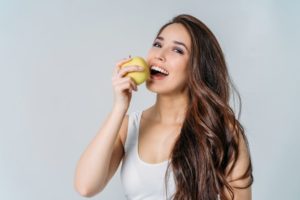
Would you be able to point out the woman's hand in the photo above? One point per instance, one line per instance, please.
(123, 85)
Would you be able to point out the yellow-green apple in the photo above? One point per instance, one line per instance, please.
(138, 76)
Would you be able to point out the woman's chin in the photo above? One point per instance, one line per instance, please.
(158, 89)
(153, 88)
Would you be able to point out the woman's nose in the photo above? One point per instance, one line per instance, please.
(160, 56)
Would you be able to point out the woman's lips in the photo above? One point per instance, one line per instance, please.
(157, 69)
(157, 76)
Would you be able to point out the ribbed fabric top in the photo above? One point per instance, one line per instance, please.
(142, 180)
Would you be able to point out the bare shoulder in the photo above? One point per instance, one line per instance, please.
(243, 160)
(239, 174)
(124, 127)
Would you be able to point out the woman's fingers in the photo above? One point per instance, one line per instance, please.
(123, 71)
(120, 63)
(123, 61)
(122, 84)
(125, 83)
(126, 87)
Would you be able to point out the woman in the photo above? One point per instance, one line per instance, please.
(188, 145)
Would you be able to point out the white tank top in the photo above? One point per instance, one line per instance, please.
(142, 180)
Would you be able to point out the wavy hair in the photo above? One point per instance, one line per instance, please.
(207, 148)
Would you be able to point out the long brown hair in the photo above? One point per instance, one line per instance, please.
(208, 146)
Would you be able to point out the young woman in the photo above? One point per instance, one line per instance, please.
(189, 144)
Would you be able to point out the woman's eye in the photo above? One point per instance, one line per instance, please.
(178, 50)
(156, 44)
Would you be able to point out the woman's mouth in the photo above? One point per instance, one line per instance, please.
(158, 73)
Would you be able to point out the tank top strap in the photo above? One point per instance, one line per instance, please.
(132, 130)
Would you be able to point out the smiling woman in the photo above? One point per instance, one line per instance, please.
(188, 145)
(170, 54)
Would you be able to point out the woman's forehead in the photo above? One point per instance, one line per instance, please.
(175, 32)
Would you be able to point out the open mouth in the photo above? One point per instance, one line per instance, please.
(158, 72)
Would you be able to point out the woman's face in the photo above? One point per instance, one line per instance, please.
(168, 60)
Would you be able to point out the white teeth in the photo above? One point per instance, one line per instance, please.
(156, 68)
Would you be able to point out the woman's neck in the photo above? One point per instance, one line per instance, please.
(170, 109)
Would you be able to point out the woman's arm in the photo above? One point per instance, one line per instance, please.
(100, 160)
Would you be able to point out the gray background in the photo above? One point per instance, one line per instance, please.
(56, 60)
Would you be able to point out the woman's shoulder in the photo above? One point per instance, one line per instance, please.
(131, 119)
(145, 113)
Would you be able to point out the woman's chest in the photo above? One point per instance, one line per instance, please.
(156, 141)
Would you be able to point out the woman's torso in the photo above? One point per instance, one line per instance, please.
(148, 146)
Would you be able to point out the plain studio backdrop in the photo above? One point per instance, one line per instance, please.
(56, 61)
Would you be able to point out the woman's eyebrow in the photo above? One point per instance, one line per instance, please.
(159, 38)
(181, 43)
(176, 42)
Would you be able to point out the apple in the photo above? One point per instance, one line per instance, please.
(139, 76)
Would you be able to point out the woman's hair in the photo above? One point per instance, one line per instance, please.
(208, 146)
